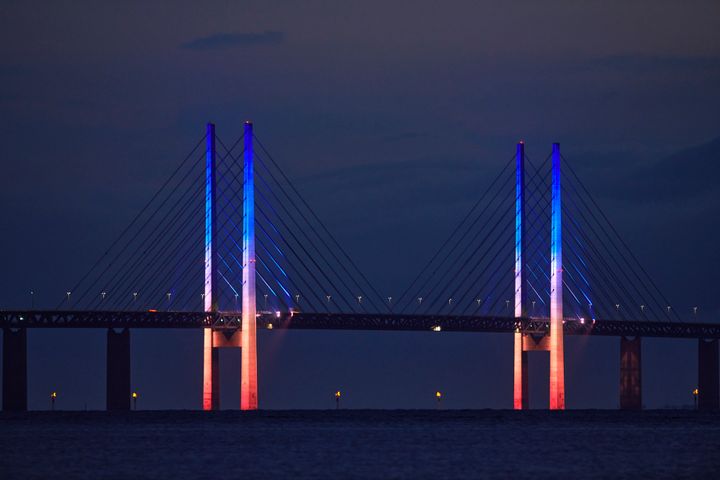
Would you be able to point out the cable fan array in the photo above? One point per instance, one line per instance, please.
(472, 272)
(157, 262)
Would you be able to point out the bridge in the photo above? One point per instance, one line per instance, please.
(535, 258)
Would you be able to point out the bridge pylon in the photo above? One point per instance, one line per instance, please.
(211, 361)
(248, 367)
(526, 341)
(520, 367)
(221, 336)
(557, 350)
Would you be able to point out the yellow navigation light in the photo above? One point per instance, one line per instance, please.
(134, 395)
(438, 395)
(337, 394)
(53, 395)
(695, 392)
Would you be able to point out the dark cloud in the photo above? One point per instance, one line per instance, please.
(229, 40)
(647, 64)
(659, 62)
(685, 175)
(404, 136)
(15, 69)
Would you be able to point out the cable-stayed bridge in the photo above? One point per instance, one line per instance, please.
(228, 245)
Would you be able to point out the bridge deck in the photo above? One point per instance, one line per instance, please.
(342, 321)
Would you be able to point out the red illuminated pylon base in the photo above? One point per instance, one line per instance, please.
(213, 340)
(524, 343)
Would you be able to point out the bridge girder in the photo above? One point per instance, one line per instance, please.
(356, 321)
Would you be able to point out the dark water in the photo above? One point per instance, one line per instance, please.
(360, 444)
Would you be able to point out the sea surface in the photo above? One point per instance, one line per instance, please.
(360, 444)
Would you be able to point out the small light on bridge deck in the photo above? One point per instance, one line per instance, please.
(277, 314)
(436, 328)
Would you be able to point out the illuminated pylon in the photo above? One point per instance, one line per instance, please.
(248, 367)
(211, 384)
(221, 336)
(557, 355)
(553, 342)
(520, 363)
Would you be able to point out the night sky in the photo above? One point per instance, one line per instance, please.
(391, 118)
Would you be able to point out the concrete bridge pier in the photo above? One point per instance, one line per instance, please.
(708, 378)
(118, 369)
(14, 369)
(214, 340)
(630, 374)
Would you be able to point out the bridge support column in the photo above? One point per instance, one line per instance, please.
(708, 378)
(211, 361)
(630, 374)
(521, 398)
(118, 370)
(557, 352)
(14, 369)
(248, 367)
(211, 372)
(520, 364)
